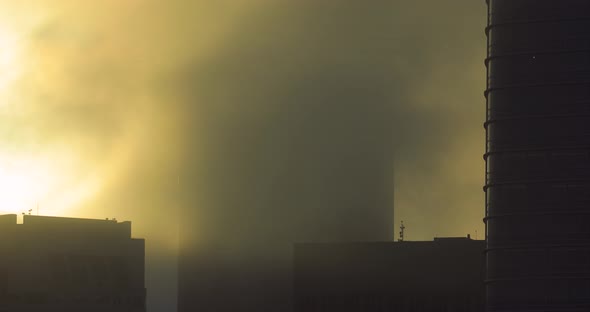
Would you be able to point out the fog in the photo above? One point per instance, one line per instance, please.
(257, 122)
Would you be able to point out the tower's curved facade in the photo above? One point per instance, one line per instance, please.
(538, 155)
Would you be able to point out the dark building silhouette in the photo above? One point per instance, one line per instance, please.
(441, 275)
(65, 264)
(538, 155)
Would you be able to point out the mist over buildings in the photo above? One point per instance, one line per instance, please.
(295, 86)
(294, 125)
(164, 109)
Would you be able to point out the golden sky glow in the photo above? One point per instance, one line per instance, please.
(28, 178)
(34, 176)
(32, 182)
(94, 99)
(10, 62)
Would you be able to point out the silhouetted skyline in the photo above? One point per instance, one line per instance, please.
(104, 108)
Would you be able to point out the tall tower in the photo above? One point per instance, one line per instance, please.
(538, 155)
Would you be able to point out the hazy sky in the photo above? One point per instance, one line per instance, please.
(98, 99)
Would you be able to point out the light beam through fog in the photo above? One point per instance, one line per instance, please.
(94, 100)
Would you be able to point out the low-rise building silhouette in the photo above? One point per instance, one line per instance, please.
(67, 264)
(441, 275)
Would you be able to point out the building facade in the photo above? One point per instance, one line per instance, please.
(66, 264)
(441, 275)
(538, 155)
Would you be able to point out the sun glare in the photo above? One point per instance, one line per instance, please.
(35, 174)
(27, 184)
(22, 183)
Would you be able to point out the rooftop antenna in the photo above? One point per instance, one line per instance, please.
(401, 232)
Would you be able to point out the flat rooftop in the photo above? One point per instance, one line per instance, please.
(58, 226)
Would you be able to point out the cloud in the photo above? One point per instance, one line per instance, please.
(293, 124)
(259, 115)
